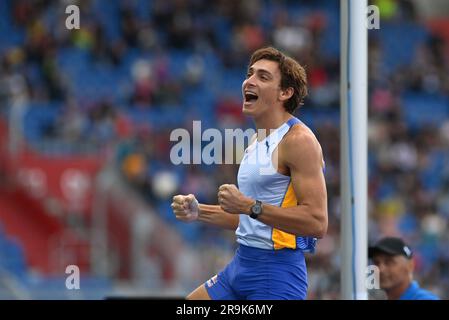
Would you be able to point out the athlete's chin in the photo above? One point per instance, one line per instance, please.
(249, 109)
(247, 112)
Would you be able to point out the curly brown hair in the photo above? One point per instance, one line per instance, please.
(292, 75)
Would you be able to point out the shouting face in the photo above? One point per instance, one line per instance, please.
(261, 89)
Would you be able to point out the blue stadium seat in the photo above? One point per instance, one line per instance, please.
(10, 35)
(107, 13)
(12, 257)
(423, 109)
(231, 84)
(37, 117)
(431, 177)
(401, 52)
(177, 62)
(408, 224)
(314, 117)
(330, 41)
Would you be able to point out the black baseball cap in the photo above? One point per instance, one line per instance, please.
(392, 246)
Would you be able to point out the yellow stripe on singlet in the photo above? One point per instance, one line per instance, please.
(280, 238)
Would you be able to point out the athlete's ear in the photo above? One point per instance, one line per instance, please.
(286, 94)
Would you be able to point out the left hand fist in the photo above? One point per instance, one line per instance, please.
(232, 200)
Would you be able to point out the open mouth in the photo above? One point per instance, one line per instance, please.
(250, 97)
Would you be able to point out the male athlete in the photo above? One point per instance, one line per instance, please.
(277, 215)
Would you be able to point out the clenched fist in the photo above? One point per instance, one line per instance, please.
(185, 208)
(232, 200)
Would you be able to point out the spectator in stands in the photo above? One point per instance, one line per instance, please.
(394, 260)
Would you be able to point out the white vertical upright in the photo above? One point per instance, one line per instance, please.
(354, 163)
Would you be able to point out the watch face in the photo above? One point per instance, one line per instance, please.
(256, 209)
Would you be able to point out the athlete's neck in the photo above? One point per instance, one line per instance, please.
(270, 122)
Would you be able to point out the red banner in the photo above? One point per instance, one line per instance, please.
(68, 179)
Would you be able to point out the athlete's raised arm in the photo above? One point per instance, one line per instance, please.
(301, 153)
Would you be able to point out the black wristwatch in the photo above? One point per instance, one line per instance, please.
(256, 209)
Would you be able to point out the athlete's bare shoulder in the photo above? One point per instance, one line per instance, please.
(300, 136)
(301, 144)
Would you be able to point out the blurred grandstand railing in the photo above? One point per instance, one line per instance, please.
(137, 244)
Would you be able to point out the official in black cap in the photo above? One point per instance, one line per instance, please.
(394, 259)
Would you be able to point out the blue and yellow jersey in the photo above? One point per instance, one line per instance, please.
(259, 179)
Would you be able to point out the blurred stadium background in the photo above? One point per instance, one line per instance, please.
(85, 119)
